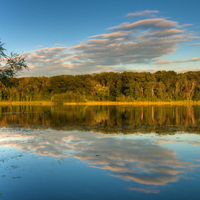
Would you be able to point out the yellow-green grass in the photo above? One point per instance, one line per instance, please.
(4, 103)
(101, 103)
(135, 103)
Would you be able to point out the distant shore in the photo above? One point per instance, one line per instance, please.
(135, 103)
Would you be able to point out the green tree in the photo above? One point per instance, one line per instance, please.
(10, 65)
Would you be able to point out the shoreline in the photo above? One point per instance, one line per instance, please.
(106, 103)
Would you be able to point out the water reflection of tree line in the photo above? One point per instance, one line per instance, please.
(105, 119)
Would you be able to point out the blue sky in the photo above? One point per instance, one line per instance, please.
(81, 37)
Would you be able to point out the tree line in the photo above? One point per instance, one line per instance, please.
(105, 86)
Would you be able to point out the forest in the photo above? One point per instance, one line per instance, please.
(105, 86)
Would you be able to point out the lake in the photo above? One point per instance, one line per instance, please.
(99, 152)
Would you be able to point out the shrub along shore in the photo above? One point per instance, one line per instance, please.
(92, 103)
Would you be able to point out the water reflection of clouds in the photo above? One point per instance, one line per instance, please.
(129, 157)
(146, 190)
(192, 139)
(137, 161)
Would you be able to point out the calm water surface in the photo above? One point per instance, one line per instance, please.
(99, 152)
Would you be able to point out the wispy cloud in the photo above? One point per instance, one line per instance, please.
(142, 13)
(157, 23)
(48, 60)
(141, 42)
(39, 46)
(197, 44)
(113, 35)
(164, 62)
(145, 190)
(182, 70)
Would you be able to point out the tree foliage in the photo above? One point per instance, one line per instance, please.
(10, 65)
(106, 86)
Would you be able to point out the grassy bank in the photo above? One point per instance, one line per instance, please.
(45, 103)
(135, 103)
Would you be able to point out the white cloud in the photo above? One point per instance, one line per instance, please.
(168, 32)
(142, 13)
(164, 62)
(113, 35)
(182, 70)
(141, 42)
(157, 23)
(48, 61)
(197, 44)
(39, 46)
